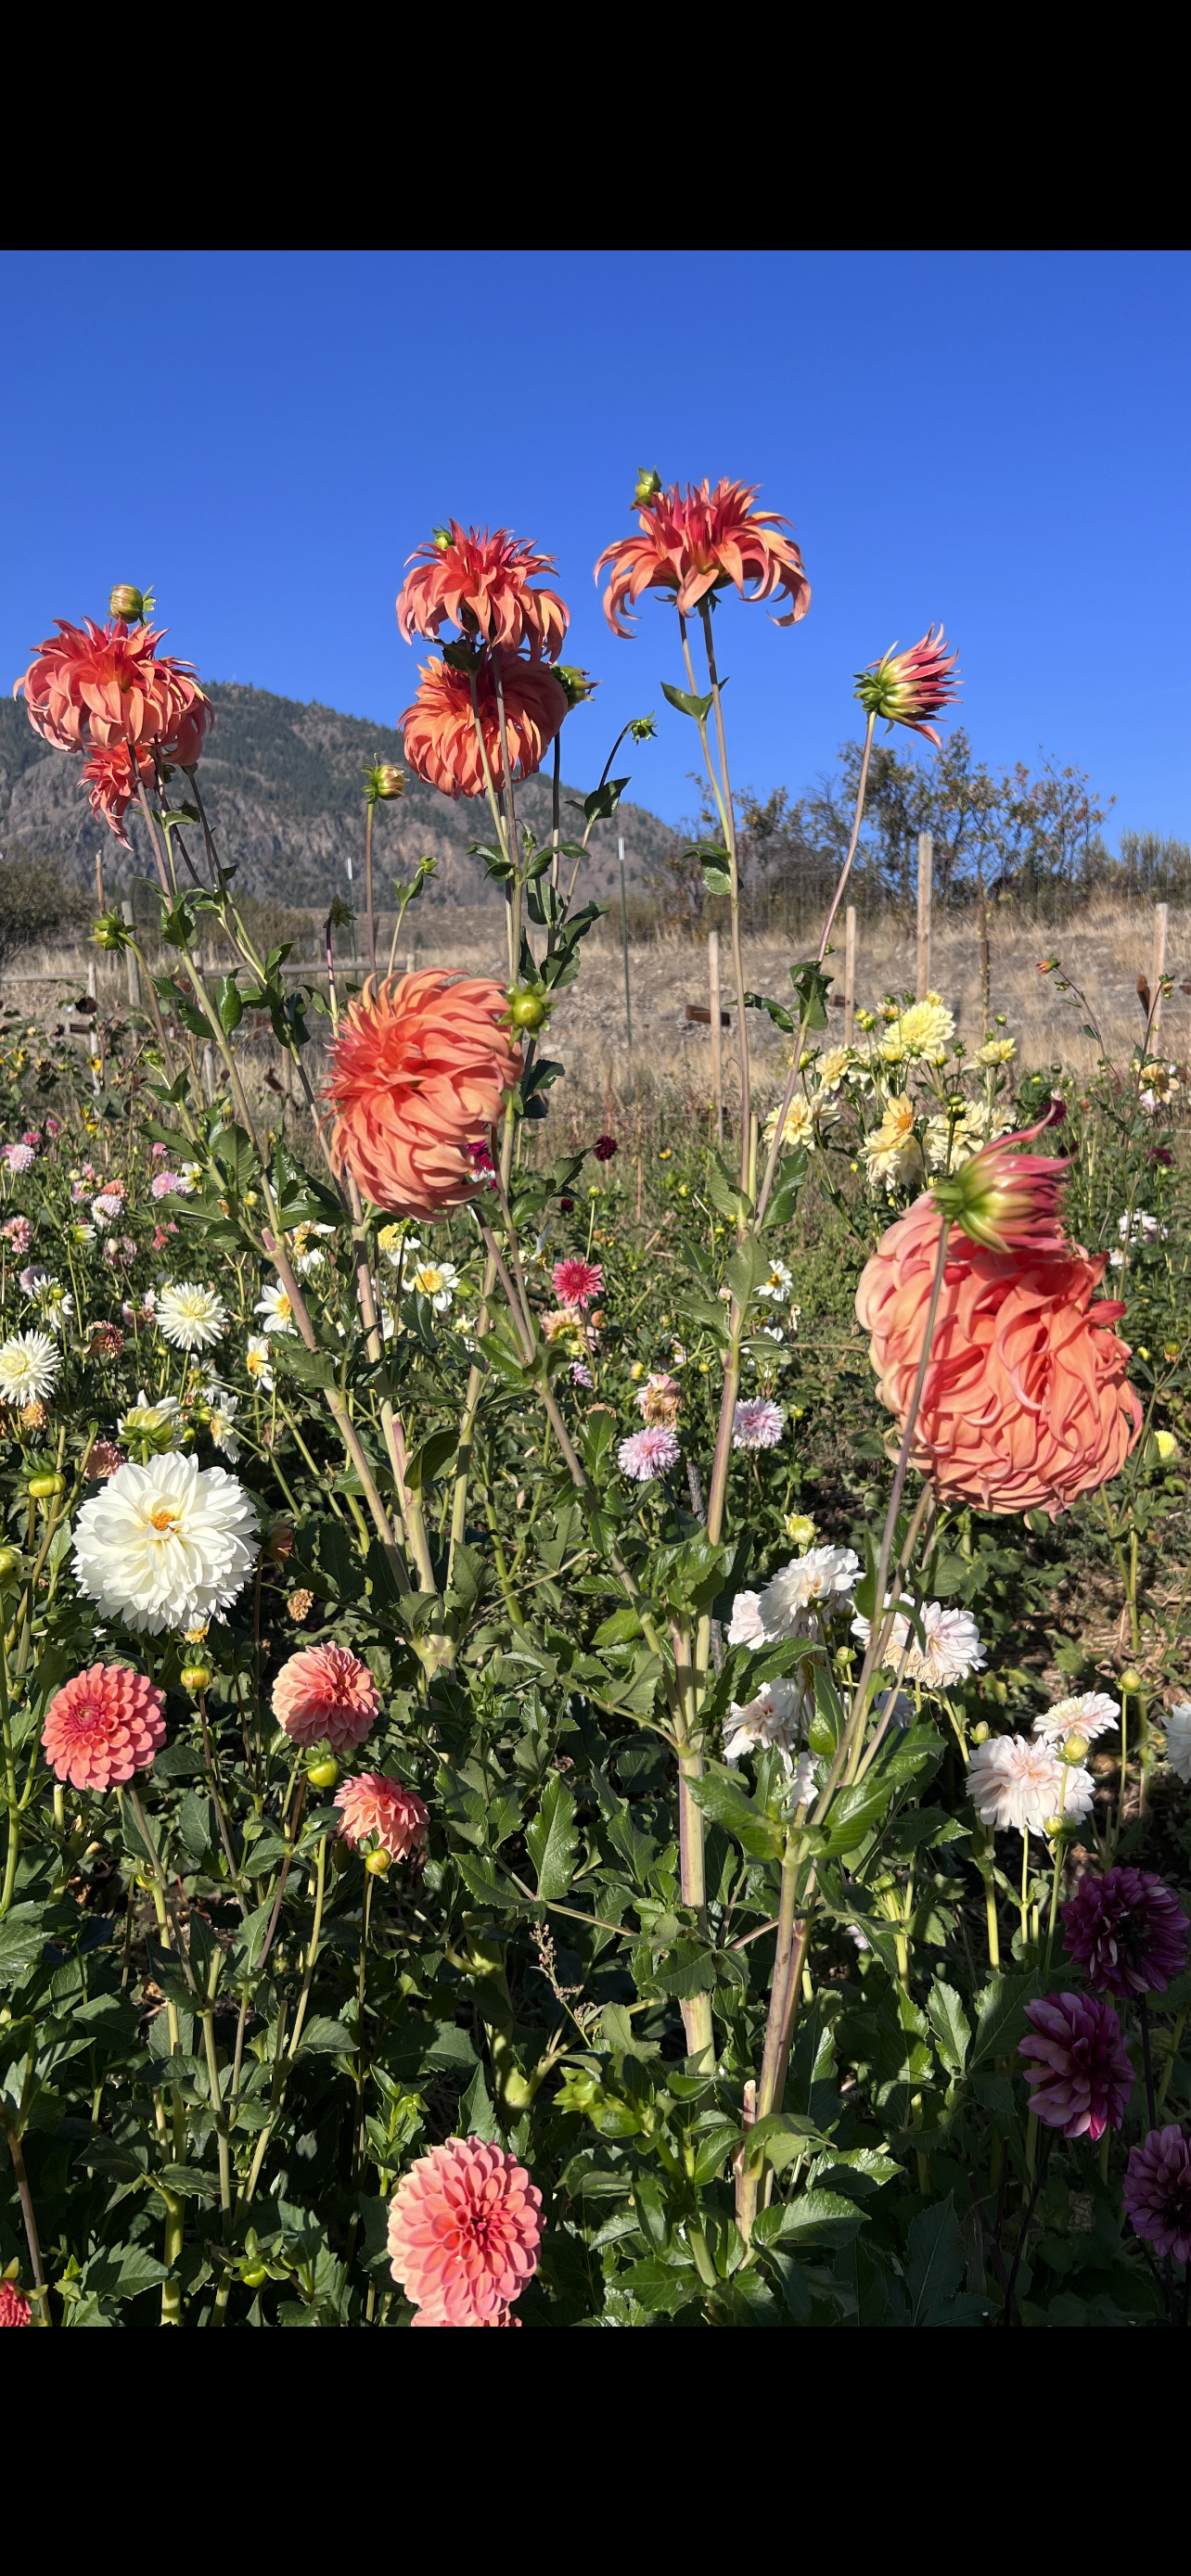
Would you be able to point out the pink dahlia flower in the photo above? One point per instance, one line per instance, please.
(372, 1804)
(1084, 2077)
(325, 1695)
(904, 687)
(757, 1423)
(464, 2232)
(1157, 2192)
(698, 541)
(481, 584)
(577, 1282)
(14, 2306)
(19, 1233)
(106, 1341)
(103, 1458)
(19, 1158)
(1127, 1931)
(103, 1726)
(647, 1454)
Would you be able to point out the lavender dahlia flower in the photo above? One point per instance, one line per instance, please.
(648, 1454)
(1157, 2192)
(1127, 1931)
(1084, 2078)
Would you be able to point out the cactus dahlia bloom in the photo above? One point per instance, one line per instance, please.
(1025, 1404)
(419, 1069)
(103, 1726)
(325, 1695)
(93, 687)
(698, 541)
(440, 726)
(481, 584)
(464, 2232)
(904, 687)
(110, 775)
(372, 1804)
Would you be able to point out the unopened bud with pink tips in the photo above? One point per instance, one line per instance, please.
(903, 688)
(1007, 1200)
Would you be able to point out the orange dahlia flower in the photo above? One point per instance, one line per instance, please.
(904, 687)
(325, 1695)
(373, 1803)
(1026, 1403)
(110, 775)
(440, 726)
(91, 687)
(103, 1726)
(482, 584)
(464, 2231)
(418, 1072)
(699, 540)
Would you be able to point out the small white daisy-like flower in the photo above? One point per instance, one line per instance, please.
(778, 1282)
(825, 1575)
(1093, 1713)
(306, 1248)
(798, 1128)
(757, 1423)
(29, 1364)
(277, 1311)
(1177, 1723)
(436, 1280)
(190, 1317)
(222, 1408)
(57, 1306)
(165, 1544)
(1013, 1781)
(256, 1361)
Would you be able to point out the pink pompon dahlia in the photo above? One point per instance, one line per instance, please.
(419, 1069)
(645, 1455)
(1084, 2077)
(1127, 1931)
(464, 2232)
(19, 1233)
(440, 727)
(1157, 2192)
(90, 687)
(103, 1726)
(904, 687)
(757, 1423)
(1007, 1200)
(577, 1282)
(482, 585)
(14, 2306)
(373, 1805)
(102, 1460)
(1026, 1403)
(325, 1695)
(698, 540)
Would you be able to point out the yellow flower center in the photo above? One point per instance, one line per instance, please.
(164, 1519)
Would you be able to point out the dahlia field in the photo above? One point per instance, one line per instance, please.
(589, 1739)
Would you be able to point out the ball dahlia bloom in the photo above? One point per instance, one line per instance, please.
(190, 1316)
(1127, 1931)
(1026, 1403)
(905, 687)
(1157, 2192)
(439, 727)
(20, 1158)
(1016, 1783)
(698, 540)
(325, 1695)
(103, 1726)
(14, 2306)
(483, 585)
(373, 1805)
(576, 1282)
(464, 2232)
(165, 1543)
(1083, 2079)
(94, 687)
(645, 1455)
(418, 1069)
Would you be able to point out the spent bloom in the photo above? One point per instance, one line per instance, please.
(103, 1726)
(1016, 1781)
(757, 1423)
(379, 1811)
(1089, 1713)
(190, 1317)
(29, 1365)
(419, 1069)
(325, 1694)
(1157, 2191)
(823, 1579)
(697, 541)
(165, 1544)
(464, 2231)
(1083, 2078)
(1127, 1931)
(576, 1282)
(441, 740)
(660, 1399)
(647, 1454)
(950, 1650)
(103, 1459)
(483, 585)
(902, 688)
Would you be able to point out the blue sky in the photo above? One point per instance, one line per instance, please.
(995, 440)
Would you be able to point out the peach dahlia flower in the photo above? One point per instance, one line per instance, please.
(371, 1803)
(418, 1072)
(325, 1695)
(440, 726)
(91, 687)
(464, 2232)
(1026, 1403)
(482, 584)
(699, 540)
(103, 1726)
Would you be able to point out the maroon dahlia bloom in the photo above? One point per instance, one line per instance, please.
(604, 1148)
(1157, 2192)
(1127, 1931)
(1084, 2077)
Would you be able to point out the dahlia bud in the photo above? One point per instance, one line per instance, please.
(1006, 1200)
(577, 683)
(383, 782)
(1130, 1680)
(1161, 1447)
(980, 1732)
(378, 1863)
(128, 602)
(1072, 1749)
(10, 1558)
(323, 1772)
(1060, 1828)
(904, 687)
(649, 483)
(110, 933)
(529, 1005)
(636, 1370)
(441, 540)
(280, 1542)
(147, 1431)
(41, 1488)
(196, 1678)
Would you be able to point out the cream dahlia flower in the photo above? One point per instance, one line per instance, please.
(190, 1317)
(29, 1364)
(165, 1544)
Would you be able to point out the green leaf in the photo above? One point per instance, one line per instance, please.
(603, 801)
(855, 1811)
(818, 2217)
(323, 2037)
(312, 1369)
(725, 1193)
(551, 1840)
(721, 1797)
(229, 1003)
(654, 2284)
(777, 1011)
(699, 708)
(1000, 2019)
(715, 881)
(426, 1463)
(951, 2026)
(21, 1943)
(934, 2265)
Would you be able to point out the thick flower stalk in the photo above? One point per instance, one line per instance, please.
(699, 540)
(419, 1071)
(483, 585)
(464, 2232)
(440, 726)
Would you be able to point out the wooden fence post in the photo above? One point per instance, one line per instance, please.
(850, 975)
(717, 1081)
(1161, 917)
(926, 852)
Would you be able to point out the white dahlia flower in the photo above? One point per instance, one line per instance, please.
(820, 1576)
(747, 1627)
(165, 1544)
(1013, 1781)
(1177, 1722)
(777, 1715)
(29, 1364)
(1093, 1713)
(190, 1317)
(951, 1651)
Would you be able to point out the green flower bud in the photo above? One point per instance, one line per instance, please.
(1073, 1748)
(128, 602)
(649, 484)
(528, 1006)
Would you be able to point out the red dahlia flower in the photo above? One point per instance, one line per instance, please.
(576, 1281)
(904, 687)
(698, 541)
(481, 584)
(440, 727)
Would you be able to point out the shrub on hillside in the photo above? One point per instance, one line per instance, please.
(36, 902)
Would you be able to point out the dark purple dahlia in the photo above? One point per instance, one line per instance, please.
(1157, 2191)
(1127, 1931)
(1084, 2077)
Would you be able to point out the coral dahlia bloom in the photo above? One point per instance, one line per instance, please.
(464, 2232)
(697, 541)
(90, 687)
(482, 584)
(576, 1282)
(1157, 2192)
(325, 1695)
(440, 727)
(14, 2306)
(110, 775)
(372, 1804)
(1127, 1931)
(1026, 1402)
(904, 687)
(1084, 2078)
(103, 1726)
(418, 1070)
